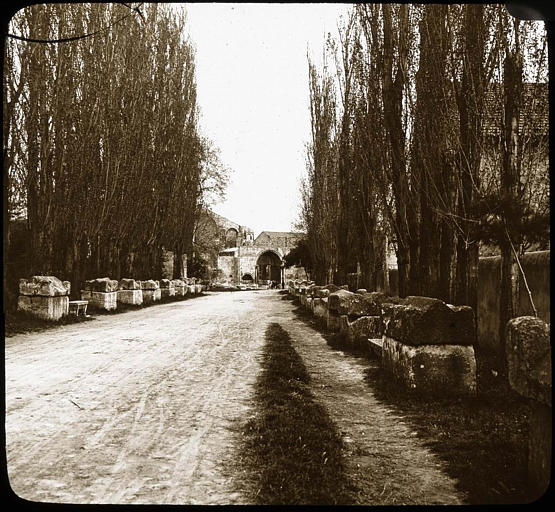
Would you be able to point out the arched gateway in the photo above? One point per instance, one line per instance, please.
(269, 267)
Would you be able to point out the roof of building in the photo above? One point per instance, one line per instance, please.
(278, 238)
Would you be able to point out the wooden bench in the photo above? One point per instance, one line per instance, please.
(78, 306)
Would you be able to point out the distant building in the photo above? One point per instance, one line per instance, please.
(235, 256)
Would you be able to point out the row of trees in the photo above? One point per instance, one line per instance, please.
(102, 151)
(429, 133)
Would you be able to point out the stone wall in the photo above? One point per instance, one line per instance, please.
(536, 268)
(247, 261)
(226, 265)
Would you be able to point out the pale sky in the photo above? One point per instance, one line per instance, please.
(252, 82)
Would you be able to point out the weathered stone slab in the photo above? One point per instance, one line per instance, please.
(180, 287)
(191, 289)
(149, 284)
(320, 307)
(355, 304)
(107, 301)
(129, 284)
(151, 295)
(367, 327)
(45, 286)
(167, 292)
(357, 332)
(166, 288)
(331, 287)
(133, 297)
(431, 369)
(311, 289)
(101, 284)
(321, 293)
(528, 351)
(374, 346)
(41, 306)
(198, 288)
(340, 300)
(428, 321)
(333, 321)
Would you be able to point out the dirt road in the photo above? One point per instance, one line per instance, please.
(141, 407)
(133, 408)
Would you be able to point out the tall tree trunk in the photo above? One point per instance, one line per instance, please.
(470, 100)
(510, 188)
(393, 108)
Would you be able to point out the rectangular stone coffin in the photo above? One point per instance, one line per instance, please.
(47, 308)
(151, 291)
(361, 329)
(150, 296)
(45, 286)
(431, 369)
(528, 352)
(428, 321)
(333, 321)
(101, 284)
(180, 288)
(320, 307)
(166, 288)
(129, 284)
(107, 301)
(133, 297)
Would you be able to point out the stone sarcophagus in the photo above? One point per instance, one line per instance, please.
(44, 296)
(166, 288)
(428, 346)
(129, 292)
(101, 293)
(151, 291)
(528, 352)
(180, 288)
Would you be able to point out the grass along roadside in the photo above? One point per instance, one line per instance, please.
(291, 449)
(483, 440)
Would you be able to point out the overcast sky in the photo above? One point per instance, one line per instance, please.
(252, 80)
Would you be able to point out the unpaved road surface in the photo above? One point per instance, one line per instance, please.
(143, 407)
(136, 407)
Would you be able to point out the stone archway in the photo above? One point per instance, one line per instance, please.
(269, 267)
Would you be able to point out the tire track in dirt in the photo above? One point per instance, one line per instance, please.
(156, 403)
